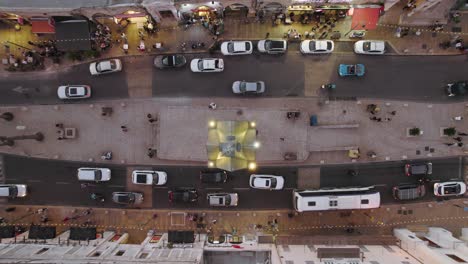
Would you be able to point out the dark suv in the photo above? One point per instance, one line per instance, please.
(183, 195)
(418, 169)
(409, 191)
(213, 176)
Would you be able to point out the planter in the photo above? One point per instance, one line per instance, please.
(447, 132)
(413, 132)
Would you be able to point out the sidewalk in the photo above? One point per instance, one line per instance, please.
(342, 126)
(448, 214)
(427, 43)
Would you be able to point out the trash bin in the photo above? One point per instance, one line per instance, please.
(313, 120)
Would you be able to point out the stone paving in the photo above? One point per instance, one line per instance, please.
(180, 135)
(449, 214)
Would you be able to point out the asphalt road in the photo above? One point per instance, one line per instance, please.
(389, 174)
(419, 78)
(55, 183)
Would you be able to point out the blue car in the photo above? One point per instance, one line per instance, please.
(351, 70)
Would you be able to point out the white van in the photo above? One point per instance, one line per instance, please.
(94, 174)
(13, 190)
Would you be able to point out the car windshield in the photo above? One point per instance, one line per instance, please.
(273, 182)
(12, 191)
(97, 175)
(227, 200)
(366, 46)
(200, 65)
(460, 88)
(230, 47)
(126, 198)
(312, 45)
(141, 178)
(168, 61)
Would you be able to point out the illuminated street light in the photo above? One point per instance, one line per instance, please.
(256, 144)
(211, 164)
(212, 124)
(253, 124)
(252, 166)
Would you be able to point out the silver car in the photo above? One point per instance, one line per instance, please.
(223, 199)
(243, 87)
(127, 197)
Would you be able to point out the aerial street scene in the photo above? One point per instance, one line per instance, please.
(240, 131)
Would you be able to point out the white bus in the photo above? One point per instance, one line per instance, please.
(336, 199)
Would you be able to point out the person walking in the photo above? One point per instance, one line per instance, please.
(124, 128)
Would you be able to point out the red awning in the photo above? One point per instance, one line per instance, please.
(42, 26)
(365, 18)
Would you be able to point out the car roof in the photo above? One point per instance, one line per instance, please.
(240, 45)
(209, 63)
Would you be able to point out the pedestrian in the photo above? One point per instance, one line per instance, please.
(212, 105)
(124, 128)
(459, 139)
(282, 139)
(267, 35)
(141, 34)
(460, 144)
(150, 153)
(388, 119)
(372, 112)
(44, 219)
(87, 211)
(393, 112)
(379, 119)
(66, 219)
(214, 221)
(373, 118)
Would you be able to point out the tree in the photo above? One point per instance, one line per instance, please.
(450, 131)
(415, 131)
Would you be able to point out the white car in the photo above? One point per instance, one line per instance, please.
(372, 47)
(223, 199)
(207, 65)
(94, 174)
(272, 46)
(149, 177)
(105, 66)
(243, 87)
(317, 46)
(74, 91)
(266, 182)
(452, 188)
(13, 190)
(237, 47)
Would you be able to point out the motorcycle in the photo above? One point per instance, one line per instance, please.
(97, 197)
(328, 86)
(106, 156)
(357, 34)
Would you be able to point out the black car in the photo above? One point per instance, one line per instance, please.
(183, 195)
(127, 197)
(213, 176)
(169, 61)
(459, 88)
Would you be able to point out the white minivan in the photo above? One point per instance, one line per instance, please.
(94, 174)
(13, 190)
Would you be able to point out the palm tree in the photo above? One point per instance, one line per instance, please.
(10, 141)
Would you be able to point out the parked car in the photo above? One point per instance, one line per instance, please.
(74, 91)
(169, 61)
(409, 191)
(451, 188)
(127, 197)
(207, 65)
(266, 182)
(371, 47)
(105, 66)
(213, 176)
(243, 87)
(185, 195)
(223, 199)
(148, 177)
(317, 46)
(13, 190)
(237, 48)
(418, 169)
(272, 46)
(459, 88)
(94, 174)
(351, 70)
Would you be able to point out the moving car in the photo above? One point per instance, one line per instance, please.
(409, 191)
(459, 88)
(266, 182)
(371, 47)
(185, 195)
(13, 190)
(207, 65)
(451, 188)
(213, 176)
(94, 174)
(418, 169)
(74, 91)
(127, 197)
(317, 46)
(105, 66)
(272, 46)
(243, 87)
(237, 48)
(223, 199)
(351, 70)
(169, 61)
(148, 177)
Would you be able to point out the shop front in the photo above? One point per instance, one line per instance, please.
(13, 20)
(210, 15)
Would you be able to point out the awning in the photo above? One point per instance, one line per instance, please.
(365, 18)
(73, 35)
(83, 233)
(41, 232)
(119, 16)
(42, 26)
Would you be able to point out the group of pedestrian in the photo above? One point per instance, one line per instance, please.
(458, 140)
(373, 109)
(151, 119)
(102, 36)
(151, 152)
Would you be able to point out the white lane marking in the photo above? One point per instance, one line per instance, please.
(34, 181)
(160, 187)
(241, 189)
(213, 188)
(116, 186)
(288, 188)
(380, 185)
(62, 183)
